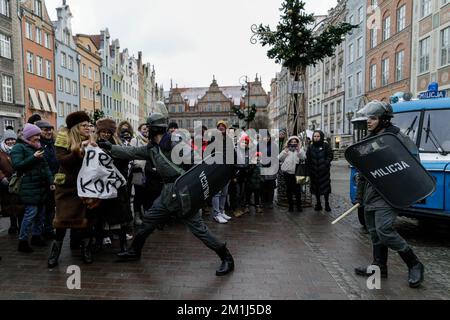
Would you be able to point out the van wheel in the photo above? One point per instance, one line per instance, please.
(361, 217)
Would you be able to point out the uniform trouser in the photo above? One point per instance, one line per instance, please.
(380, 224)
(159, 214)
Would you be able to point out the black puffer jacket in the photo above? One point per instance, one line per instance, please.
(318, 162)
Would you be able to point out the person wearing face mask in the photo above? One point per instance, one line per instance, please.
(290, 157)
(10, 203)
(318, 161)
(28, 159)
(380, 217)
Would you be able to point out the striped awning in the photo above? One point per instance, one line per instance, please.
(52, 103)
(34, 101)
(44, 101)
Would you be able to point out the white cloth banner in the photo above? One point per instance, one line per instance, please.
(98, 177)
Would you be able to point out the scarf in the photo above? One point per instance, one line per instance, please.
(6, 149)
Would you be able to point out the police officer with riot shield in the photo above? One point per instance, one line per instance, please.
(158, 153)
(379, 215)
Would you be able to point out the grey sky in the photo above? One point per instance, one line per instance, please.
(188, 41)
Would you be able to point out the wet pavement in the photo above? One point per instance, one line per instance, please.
(278, 255)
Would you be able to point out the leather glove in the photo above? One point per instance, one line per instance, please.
(105, 145)
(5, 181)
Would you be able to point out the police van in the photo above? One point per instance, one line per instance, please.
(427, 122)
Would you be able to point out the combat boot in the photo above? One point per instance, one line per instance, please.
(380, 257)
(227, 265)
(415, 268)
(86, 251)
(54, 254)
(24, 247)
(133, 253)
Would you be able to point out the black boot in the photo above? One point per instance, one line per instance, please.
(133, 253)
(415, 268)
(54, 254)
(327, 207)
(24, 247)
(318, 207)
(38, 241)
(380, 256)
(299, 206)
(86, 251)
(227, 265)
(123, 242)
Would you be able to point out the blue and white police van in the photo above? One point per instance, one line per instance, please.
(426, 121)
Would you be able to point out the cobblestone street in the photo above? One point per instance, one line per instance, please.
(278, 256)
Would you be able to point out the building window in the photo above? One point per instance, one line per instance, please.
(424, 55)
(385, 72)
(359, 83)
(47, 43)
(399, 65)
(48, 67)
(66, 37)
(83, 70)
(68, 87)
(68, 109)
(63, 60)
(85, 92)
(95, 75)
(38, 8)
(360, 15)
(61, 109)
(386, 28)
(5, 46)
(445, 46)
(373, 76)
(74, 88)
(7, 86)
(70, 63)
(373, 38)
(28, 30)
(425, 8)
(350, 86)
(38, 35)
(351, 57)
(39, 66)
(60, 83)
(90, 73)
(30, 62)
(4, 8)
(401, 18)
(359, 47)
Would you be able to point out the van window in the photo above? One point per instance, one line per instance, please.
(436, 131)
(408, 122)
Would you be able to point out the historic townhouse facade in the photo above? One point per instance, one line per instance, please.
(130, 88)
(67, 66)
(38, 54)
(90, 82)
(388, 48)
(11, 67)
(355, 61)
(431, 45)
(117, 77)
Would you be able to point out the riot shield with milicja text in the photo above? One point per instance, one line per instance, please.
(194, 188)
(392, 170)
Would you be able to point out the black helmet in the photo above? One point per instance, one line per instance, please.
(379, 109)
(157, 120)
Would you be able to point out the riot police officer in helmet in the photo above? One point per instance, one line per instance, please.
(379, 215)
(158, 152)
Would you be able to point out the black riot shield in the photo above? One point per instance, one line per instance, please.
(392, 170)
(194, 188)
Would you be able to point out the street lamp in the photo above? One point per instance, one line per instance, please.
(246, 89)
(96, 87)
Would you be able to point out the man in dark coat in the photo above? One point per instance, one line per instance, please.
(318, 161)
(379, 215)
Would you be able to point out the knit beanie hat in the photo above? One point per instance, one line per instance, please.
(106, 125)
(30, 130)
(9, 134)
(44, 124)
(76, 118)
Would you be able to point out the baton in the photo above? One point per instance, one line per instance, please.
(346, 213)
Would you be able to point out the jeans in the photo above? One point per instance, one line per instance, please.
(33, 217)
(219, 201)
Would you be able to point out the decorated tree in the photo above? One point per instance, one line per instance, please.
(296, 44)
(98, 114)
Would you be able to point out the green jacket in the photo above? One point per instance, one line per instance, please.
(255, 180)
(36, 175)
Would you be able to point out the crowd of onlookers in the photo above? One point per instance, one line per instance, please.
(39, 169)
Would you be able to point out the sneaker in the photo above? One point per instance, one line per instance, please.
(129, 237)
(225, 216)
(107, 241)
(220, 219)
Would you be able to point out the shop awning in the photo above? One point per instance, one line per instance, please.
(52, 103)
(44, 101)
(34, 99)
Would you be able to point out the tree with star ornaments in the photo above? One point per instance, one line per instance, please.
(296, 44)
